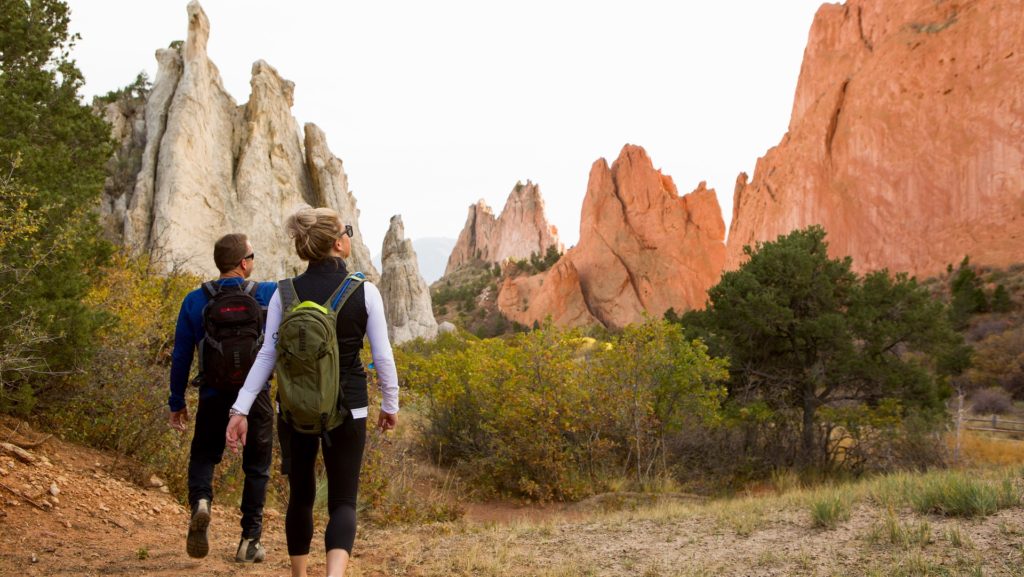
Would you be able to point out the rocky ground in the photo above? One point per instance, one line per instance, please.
(64, 512)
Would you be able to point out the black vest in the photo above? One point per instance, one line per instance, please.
(317, 284)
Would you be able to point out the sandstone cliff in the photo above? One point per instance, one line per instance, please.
(520, 230)
(642, 248)
(906, 140)
(208, 166)
(406, 296)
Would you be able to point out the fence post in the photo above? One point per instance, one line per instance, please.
(959, 424)
(994, 419)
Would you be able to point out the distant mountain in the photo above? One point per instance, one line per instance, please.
(432, 255)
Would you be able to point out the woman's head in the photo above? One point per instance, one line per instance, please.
(318, 233)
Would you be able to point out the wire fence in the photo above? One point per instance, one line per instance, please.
(995, 424)
(1007, 429)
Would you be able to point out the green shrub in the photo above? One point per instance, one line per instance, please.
(549, 414)
(998, 360)
(463, 294)
(958, 494)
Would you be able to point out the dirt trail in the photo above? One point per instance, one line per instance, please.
(65, 513)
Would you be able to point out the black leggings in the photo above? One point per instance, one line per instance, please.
(342, 460)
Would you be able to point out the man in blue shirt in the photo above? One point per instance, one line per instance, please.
(235, 260)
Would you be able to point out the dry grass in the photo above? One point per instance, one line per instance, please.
(873, 531)
(888, 525)
(983, 449)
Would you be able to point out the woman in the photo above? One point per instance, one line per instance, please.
(322, 240)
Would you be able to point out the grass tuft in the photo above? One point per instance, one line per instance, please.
(830, 510)
(892, 531)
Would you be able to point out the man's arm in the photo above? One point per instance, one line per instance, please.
(181, 358)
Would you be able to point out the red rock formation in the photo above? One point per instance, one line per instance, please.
(906, 140)
(525, 298)
(642, 248)
(520, 230)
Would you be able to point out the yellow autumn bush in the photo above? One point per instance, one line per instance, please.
(118, 398)
(548, 415)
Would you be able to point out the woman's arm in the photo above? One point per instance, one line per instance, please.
(380, 349)
(263, 366)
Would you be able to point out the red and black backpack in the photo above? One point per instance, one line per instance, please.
(233, 321)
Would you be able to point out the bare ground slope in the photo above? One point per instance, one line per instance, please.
(101, 524)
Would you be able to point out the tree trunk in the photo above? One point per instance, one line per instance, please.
(810, 406)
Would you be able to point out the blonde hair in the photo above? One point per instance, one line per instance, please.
(314, 231)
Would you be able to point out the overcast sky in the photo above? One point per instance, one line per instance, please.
(434, 105)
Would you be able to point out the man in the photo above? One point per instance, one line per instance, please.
(235, 260)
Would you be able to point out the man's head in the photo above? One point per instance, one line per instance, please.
(233, 255)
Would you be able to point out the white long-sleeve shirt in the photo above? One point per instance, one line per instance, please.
(380, 350)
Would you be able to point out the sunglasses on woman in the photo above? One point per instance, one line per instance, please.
(348, 231)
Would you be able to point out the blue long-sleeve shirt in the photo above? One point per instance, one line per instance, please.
(189, 333)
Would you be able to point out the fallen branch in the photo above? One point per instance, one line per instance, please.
(19, 440)
(21, 454)
(24, 497)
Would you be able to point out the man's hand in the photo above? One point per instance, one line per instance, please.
(178, 419)
(238, 426)
(386, 421)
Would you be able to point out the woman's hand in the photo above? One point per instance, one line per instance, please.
(238, 426)
(386, 421)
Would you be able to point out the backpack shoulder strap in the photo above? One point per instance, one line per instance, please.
(248, 287)
(340, 296)
(288, 295)
(211, 289)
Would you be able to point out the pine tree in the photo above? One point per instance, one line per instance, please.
(1001, 302)
(52, 152)
(805, 333)
(968, 298)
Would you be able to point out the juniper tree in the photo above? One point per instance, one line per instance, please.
(52, 151)
(804, 332)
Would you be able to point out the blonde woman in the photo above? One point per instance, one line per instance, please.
(324, 241)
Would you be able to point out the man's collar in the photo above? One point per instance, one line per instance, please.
(230, 281)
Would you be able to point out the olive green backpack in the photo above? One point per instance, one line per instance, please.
(308, 379)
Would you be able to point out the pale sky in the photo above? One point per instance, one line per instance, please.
(434, 105)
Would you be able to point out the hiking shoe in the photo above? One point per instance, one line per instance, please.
(197, 545)
(250, 551)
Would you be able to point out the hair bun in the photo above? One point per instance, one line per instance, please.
(314, 231)
(299, 224)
